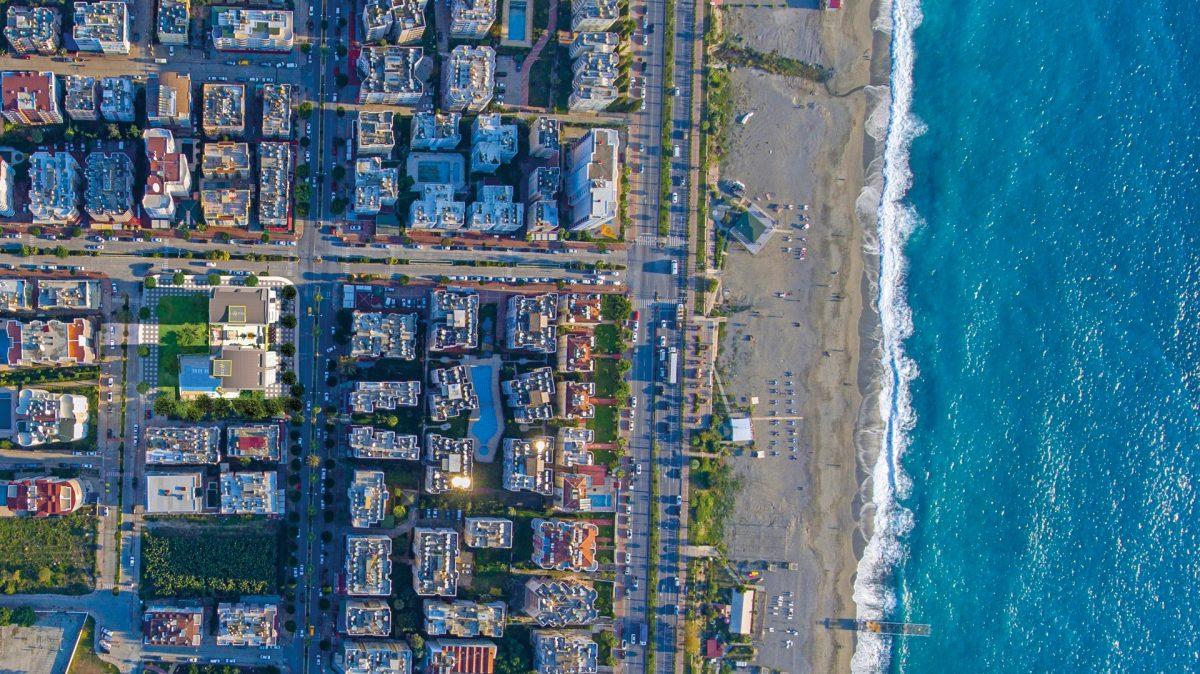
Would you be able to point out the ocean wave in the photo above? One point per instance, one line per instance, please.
(874, 593)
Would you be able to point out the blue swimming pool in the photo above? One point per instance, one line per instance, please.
(516, 20)
(487, 425)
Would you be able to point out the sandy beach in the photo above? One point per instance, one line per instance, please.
(801, 334)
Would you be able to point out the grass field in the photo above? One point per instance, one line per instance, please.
(210, 560)
(53, 554)
(604, 424)
(608, 338)
(182, 329)
(606, 377)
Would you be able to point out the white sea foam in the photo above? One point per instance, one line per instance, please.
(873, 586)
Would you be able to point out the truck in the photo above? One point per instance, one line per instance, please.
(674, 267)
(643, 632)
(672, 365)
(160, 61)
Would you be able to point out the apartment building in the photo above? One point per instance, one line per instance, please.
(380, 335)
(169, 100)
(468, 78)
(33, 30)
(275, 186)
(367, 442)
(108, 198)
(375, 134)
(53, 188)
(173, 19)
(244, 29)
(436, 561)
(169, 177)
(393, 75)
(450, 463)
(471, 19)
(368, 495)
(102, 27)
(435, 130)
(437, 209)
(30, 99)
(593, 178)
(182, 445)
(374, 186)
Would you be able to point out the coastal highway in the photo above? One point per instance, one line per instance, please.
(655, 293)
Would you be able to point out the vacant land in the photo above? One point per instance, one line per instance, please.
(48, 554)
(182, 329)
(208, 560)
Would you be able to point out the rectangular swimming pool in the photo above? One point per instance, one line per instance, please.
(516, 20)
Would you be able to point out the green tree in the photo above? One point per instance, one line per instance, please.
(289, 292)
(151, 282)
(61, 252)
(252, 281)
(288, 349)
(178, 278)
(143, 388)
(288, 321)
(144, 351)
(24, 616)
(214, 279)
(144, 313)
(338, 172)
(191, 334)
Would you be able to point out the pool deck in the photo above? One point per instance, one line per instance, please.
(527, 40)
(486, 453)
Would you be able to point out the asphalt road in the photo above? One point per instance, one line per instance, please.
(656, 293)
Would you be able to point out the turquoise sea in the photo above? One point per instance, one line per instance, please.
(1040, 297)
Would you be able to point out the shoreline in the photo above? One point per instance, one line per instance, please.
(814, 510)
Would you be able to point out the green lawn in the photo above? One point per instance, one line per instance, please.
(53, 554)
(608, 338)
(604, 424)
(606, 376)
(182, 329)
(604, 598)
